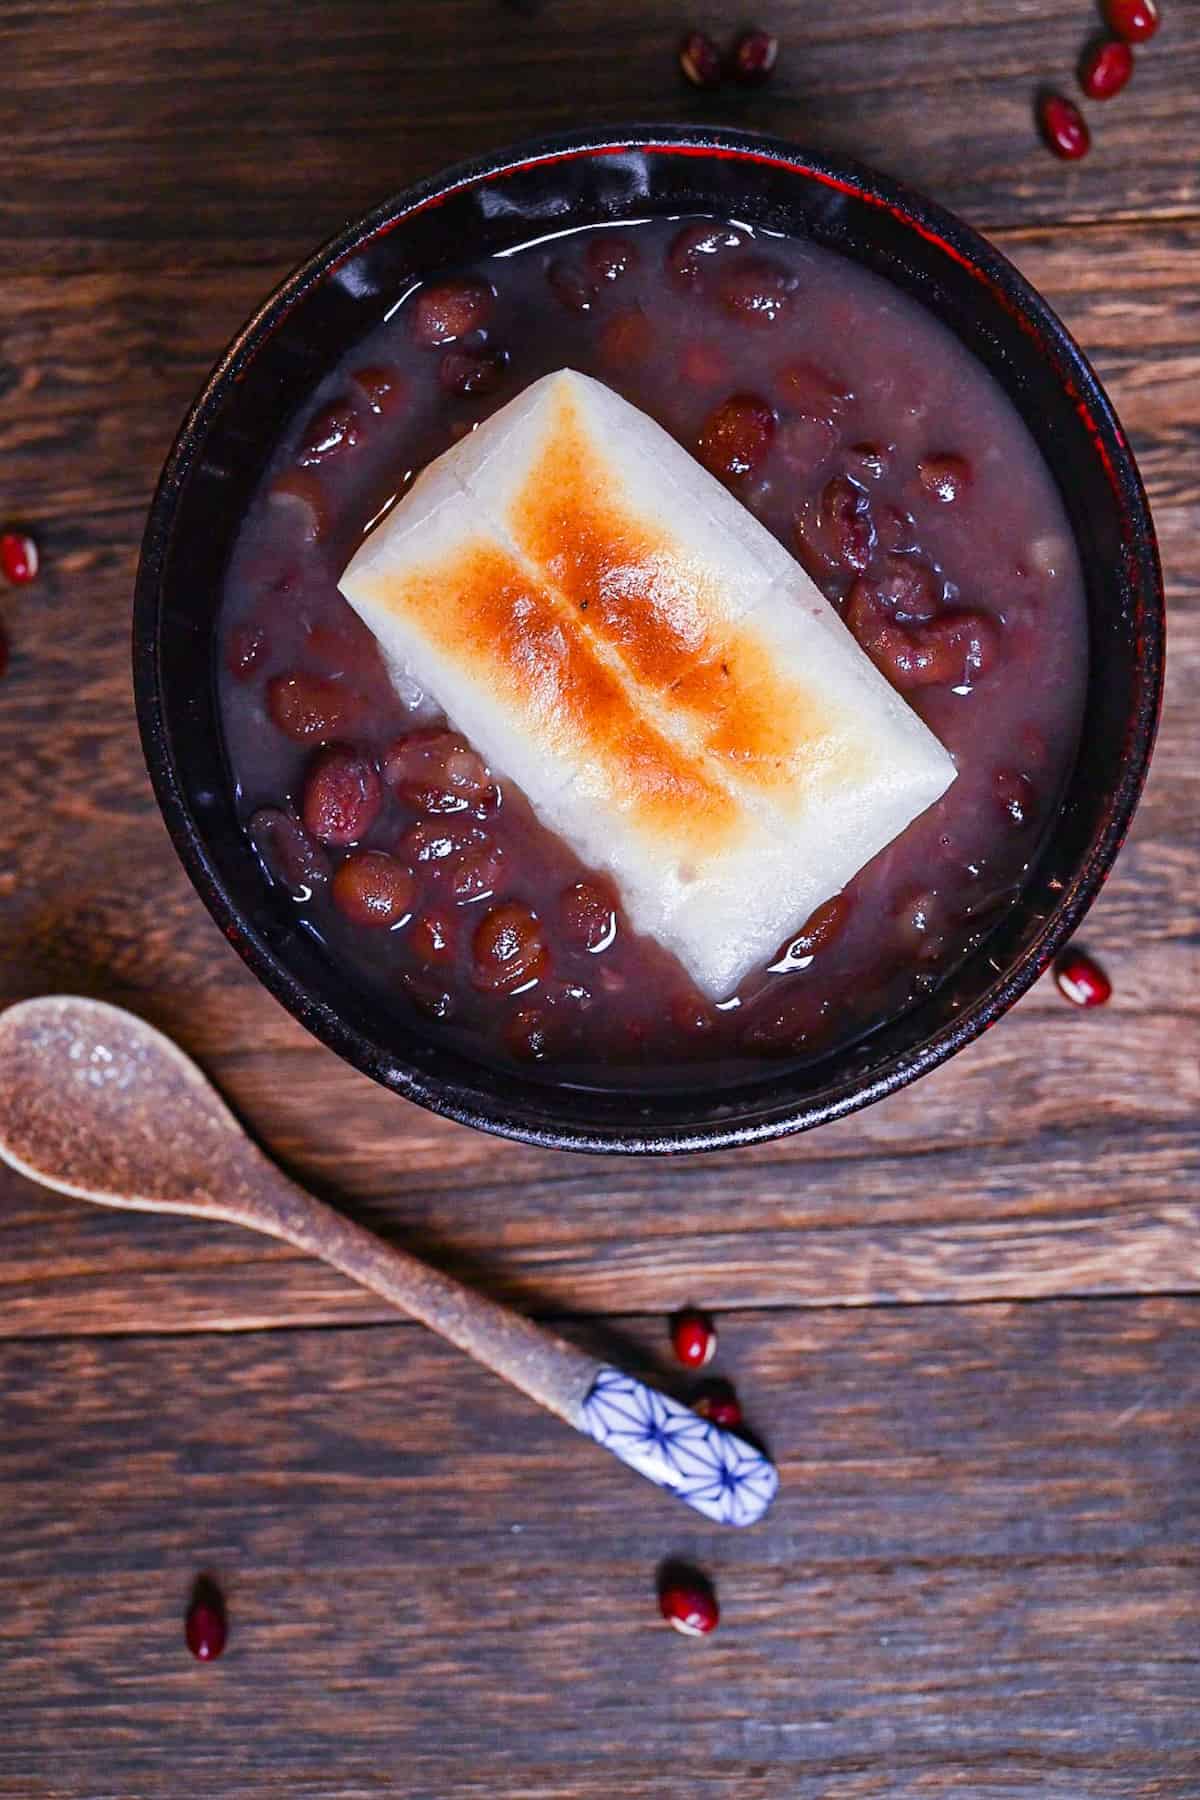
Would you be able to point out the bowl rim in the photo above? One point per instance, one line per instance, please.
(458, 1099)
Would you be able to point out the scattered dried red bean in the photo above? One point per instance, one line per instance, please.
(700, 60)
(687, 1602)
(342, 795)
(693, 1338)
(1081, 980)
(945, 478)
(1106, 68)
(1133, 20)
(1064, 127)
(736, 436)
(509, 950)
(753, 57)
(720, 1403)
(446, 310)
(372, 888)
(19, 558)
(205, 1627)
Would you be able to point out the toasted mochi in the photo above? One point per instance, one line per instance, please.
(615, 633)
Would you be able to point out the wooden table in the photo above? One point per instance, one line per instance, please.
(966, 1319)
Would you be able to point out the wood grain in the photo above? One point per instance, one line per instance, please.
(323, 105)
(983, 1561)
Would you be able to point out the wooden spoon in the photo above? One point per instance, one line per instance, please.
(96, 1103)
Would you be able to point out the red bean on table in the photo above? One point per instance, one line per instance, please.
(1106, 69)
(1133, 20)
(1064, 127)
(700, 60)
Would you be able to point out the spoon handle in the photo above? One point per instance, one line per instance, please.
(715, 1471)
(554, 1373)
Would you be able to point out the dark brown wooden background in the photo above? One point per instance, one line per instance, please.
(966, 1319)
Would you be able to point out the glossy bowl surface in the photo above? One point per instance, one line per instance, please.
(338, 296)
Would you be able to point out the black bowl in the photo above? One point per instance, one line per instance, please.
(338, 296)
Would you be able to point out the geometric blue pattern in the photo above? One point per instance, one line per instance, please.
(719, 1474)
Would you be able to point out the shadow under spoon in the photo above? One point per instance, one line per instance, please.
(99, 1105)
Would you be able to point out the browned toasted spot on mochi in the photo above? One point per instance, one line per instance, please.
(771, 729)
(483, 610)
(633, 589)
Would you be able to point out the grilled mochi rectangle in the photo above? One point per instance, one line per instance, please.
(618, 635)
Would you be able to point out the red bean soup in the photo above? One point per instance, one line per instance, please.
(859, 431)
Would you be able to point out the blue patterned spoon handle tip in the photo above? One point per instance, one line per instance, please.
(717, 1472)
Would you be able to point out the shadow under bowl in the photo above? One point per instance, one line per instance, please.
(337, 297)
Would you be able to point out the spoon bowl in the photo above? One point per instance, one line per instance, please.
(100, 1105)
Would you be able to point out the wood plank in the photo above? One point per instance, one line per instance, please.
(1056, 1155)
(1070, 1213)
(289, 120)
(980, 1575)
